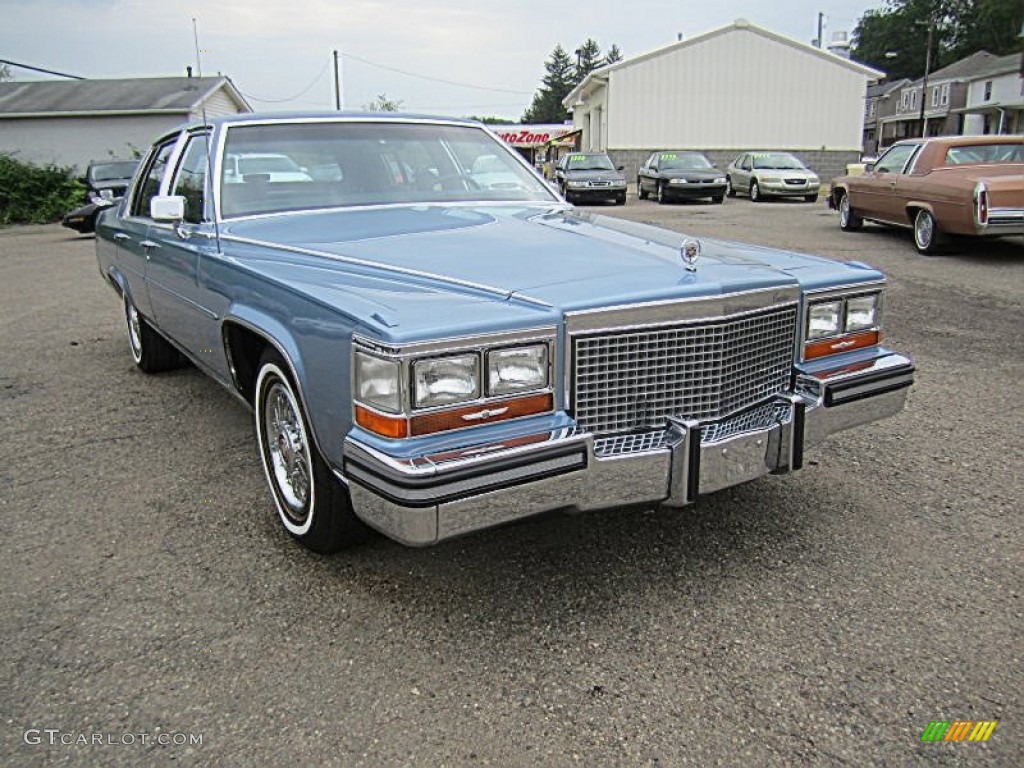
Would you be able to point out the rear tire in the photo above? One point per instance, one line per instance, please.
(848, 220)
(312, 505)
(730, 191)
(927, 237)
(151, 352)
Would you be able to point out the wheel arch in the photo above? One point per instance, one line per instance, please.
(914, 206)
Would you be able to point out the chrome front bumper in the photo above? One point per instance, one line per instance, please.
(426, 500)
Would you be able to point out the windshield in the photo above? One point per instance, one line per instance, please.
(113, 171)
(782, 161)
(688, 161)
(371, 163)
(590, 163)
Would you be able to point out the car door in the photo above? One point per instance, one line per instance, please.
(186, 309)
(645, 178)
(741, 173)
(874, 194)
(132, 236)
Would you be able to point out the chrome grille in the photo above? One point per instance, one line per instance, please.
(632, 379)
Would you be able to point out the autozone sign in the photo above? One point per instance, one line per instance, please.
(530, 136)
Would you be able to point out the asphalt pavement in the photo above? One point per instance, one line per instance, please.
(152, 610)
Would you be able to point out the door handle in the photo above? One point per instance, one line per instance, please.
(121, 236)
(148, 246)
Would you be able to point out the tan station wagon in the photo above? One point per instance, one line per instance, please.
(951, 185)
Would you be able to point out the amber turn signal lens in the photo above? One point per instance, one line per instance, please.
(486, 413)
(847, 343)
(379, 424)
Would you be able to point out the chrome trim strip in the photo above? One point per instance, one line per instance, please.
(675, 311)
(558, 206)
(477, 342)
(504, 293)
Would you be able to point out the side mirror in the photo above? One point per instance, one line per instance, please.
(167, 208)
(620, 167)
(869, 167)
(654, 169)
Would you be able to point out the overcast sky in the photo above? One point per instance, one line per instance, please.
(279, 53)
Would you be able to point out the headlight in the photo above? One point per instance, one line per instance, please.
(677, 181)
(377, 382)
(824, 319)
(720, 180)
(771, 179)
(446, 380)
(862, 312)
(576, 183)
(517, 370)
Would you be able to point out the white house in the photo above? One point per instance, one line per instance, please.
(73, 122)
(736, 88)
(995, 98)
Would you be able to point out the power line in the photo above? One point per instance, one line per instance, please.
(434, 79)
(290, 98)
(40, 69)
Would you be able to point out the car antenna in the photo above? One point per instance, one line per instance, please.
(209, 133)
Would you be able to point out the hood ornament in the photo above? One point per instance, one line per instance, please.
(689, 251)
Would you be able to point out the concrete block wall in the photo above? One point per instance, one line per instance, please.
(826, 163)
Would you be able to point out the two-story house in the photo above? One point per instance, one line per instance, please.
(944, 101)
(995, 98)
(880, 101)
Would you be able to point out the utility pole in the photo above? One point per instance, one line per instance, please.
(821, 29)
(927, 69)
(337, 84)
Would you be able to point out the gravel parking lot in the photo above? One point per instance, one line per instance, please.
(825, 617)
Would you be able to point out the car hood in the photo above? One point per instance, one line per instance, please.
(788, 173)
(549, 257)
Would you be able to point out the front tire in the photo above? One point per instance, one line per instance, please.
(848, 220)
(620, 199)
(660, 193)
(755, 192)
(641, 193)
(926, 233)
(151, 352)
(718, 199)
(811, 198)
(312, 505)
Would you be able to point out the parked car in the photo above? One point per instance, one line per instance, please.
(105, 183)
(680, 175)
(590, 176)
(430, 361)
(763, 175)
(952, 185)
(266, 166)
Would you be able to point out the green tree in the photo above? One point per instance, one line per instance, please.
(556, 84)
(490, 119)
(614, 55)
(588, 58)
(894, 38)
(383, 104)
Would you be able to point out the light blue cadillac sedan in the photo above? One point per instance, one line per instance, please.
(428, 354)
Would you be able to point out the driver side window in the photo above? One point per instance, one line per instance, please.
(150, 186)
(190, 180)
(895, 160)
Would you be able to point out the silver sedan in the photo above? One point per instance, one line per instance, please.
(762, 175)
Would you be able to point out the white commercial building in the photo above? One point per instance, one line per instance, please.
(736, 88)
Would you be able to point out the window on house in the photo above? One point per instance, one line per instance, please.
(913, 100)
(988, 90)
(945, 95)
(935, 96)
